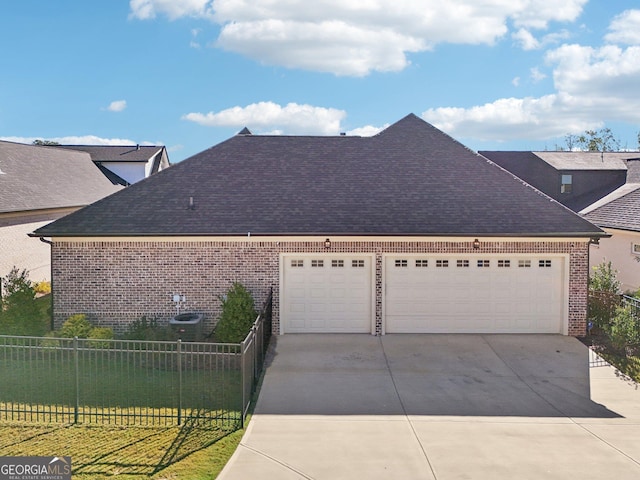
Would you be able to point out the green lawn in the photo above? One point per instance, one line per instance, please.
(97, 452)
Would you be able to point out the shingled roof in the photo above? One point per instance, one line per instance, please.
(620, 209)
(117, 153)
(37, 178)
(410, 179)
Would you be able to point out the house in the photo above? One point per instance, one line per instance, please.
(575, 179)
(38, 185)
(406, 231)
(618, 214)
(127, 164)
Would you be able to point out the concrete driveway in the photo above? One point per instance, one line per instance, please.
(439, 407)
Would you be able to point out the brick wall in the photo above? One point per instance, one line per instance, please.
(117, 282)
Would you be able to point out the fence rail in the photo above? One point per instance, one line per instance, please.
(126, 382)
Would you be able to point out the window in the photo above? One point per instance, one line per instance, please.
(484, 263)
(317, 263)
(442, 263)
(357, 263)
(337, 263)
(566, 183)
(524, 263)
(635, 248)
(297, 263)
(462, 263)
(422, 263)
(504, 263)
(544, 263)
(401, 263)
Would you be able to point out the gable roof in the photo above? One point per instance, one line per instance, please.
(410, 179)
(37, 178)
(620, 209)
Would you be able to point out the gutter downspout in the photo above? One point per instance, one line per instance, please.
(50, 243)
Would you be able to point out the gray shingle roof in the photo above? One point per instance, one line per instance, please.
(620, 209)
(585, 160)
(115, 153)
(410, 179)
(36, 178)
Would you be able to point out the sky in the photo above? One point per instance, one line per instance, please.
(188, 74)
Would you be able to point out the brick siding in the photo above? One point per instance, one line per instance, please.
(117, 282)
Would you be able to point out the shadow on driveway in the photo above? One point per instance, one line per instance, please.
(429, 375)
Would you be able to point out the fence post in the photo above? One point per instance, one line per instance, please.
(77, 371)
(179, 382)
(242, 381)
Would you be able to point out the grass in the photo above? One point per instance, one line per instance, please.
(189, 452)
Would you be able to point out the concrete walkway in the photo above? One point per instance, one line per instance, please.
(439, 407)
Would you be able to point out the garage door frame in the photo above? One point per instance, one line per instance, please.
(328, 256)
(490, 256)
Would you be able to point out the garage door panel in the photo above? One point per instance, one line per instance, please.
(474, 295)
(326, 294)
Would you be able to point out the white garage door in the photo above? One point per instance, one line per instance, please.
(471, 294)
(326, 294)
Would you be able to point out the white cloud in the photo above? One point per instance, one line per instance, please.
(268, 116)
(625, 28)
(117, 106)
(77, 140)
(593, 85)
(537, 75)
(516, 82)
(366, 131)
(356, 37)
(526, 40)
(174, 9)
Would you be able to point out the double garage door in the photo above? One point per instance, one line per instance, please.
(424, 294)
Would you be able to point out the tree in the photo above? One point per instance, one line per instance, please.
(44, 142)
(238, 315)
(571, 141)
(602, 140)
(20, 314)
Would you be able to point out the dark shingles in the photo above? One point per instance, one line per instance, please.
(623, 212)
(115, 153)
(411, 179)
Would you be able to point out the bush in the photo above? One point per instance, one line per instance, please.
(76, 326)
(238, 315)
(604, 279)
(43, 288)
(100, 333)
(624, 330)
(20, 314)
(146, 330)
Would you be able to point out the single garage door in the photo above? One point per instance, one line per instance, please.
(473, 294)
(326, 294)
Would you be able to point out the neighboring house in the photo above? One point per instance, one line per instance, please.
(38, 185)
(126, 164)
(619, 215)
(407, 231)
(575, 179)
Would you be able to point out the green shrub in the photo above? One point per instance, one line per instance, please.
(100, 333)
(76, 326)
(49, 340)
(20, 315)
(143, 329)
(238, 315)
(624, 330)
(604, 279)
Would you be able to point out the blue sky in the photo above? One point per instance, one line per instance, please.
(494, 74)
